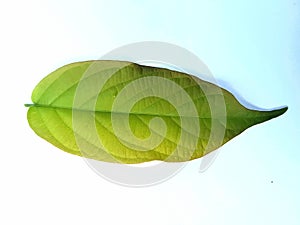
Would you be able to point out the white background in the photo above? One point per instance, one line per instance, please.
(253, 46)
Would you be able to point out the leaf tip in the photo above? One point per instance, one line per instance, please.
(280, 111)
(276, 112)
(263, 116)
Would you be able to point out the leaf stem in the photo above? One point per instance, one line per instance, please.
(28, 105)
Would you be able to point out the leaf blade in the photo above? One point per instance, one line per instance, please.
(51, 116)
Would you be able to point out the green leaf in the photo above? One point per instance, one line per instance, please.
(123, 112)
